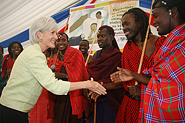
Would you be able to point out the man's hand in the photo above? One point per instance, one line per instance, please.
(121, 75)
(135, 91)
(60, 75)
(94, 96)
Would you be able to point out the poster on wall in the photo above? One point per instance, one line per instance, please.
(84, 21)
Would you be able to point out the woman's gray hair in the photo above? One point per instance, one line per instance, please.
(42, 24)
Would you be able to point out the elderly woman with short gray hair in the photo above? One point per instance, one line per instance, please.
(31, 73)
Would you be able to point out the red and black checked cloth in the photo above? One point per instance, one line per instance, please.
(129, 109)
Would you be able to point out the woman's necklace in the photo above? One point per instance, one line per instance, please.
(62, 57)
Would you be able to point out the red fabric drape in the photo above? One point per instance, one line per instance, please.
(75, 67)
(6, 64)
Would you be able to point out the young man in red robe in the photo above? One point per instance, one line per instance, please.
(105, 62)
(135, 23)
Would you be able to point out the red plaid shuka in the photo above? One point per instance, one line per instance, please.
(129, 109)
(76, 71)
(165, 95)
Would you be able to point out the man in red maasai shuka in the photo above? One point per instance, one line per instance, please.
(76, 71)
(130, 60)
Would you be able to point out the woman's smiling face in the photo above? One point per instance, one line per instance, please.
(62, 42)
(162, 19)
(48, 38)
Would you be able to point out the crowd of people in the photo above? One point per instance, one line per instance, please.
(49, 81)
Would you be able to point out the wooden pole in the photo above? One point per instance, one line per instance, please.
(90, 49)
(145, 42)
(95, 111)
(67, 23)
(56, 57)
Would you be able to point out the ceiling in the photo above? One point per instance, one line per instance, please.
(16, 16)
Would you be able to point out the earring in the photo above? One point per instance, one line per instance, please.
(170, 13)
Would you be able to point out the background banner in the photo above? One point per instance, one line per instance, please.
(84, 21)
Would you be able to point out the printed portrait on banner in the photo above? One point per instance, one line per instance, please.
(85, 23)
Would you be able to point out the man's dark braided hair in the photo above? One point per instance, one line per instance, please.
(141, 17)
(169, 4)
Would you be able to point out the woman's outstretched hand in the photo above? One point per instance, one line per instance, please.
(96, 87)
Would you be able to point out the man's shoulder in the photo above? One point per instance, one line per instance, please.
(75, 51)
